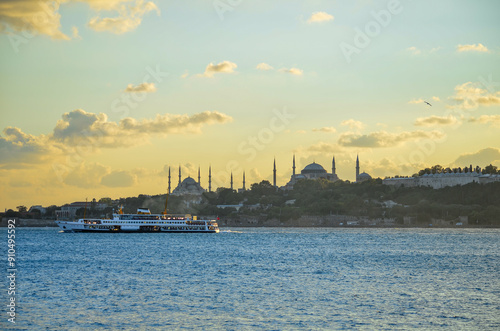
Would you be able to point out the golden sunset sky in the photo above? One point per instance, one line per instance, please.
(98, 98)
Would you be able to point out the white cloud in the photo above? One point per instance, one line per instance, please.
(325, 129)
(436, 121)
(353, 124)
(416, 101)
(82, 132)
(78, 126)
(324, 148)
(129, 17)
(494, 120)
(43, 17)
(470, 95)
(382, 139)
(413, 50)
(18, 147)
(473, 47)
(320, 17)
(226, 67)
(264, 66)
(36, 16)
(143, 87)
(292, 71)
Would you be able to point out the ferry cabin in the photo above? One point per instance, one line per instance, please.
(141, 223)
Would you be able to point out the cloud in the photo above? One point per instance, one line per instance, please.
(86, 175)
(129, 17)
(264, 66)
(353, 124)
(327, 129)
(79, 126)
(472, 48)
(414, 50)
(18, 147)
(226, 67)
(43, 17)
(143, 87)
(320, 16)
(383, 139)
(417, 51)
(494, 120)
(416, 101)
(119, 179)
(482, 158)
(74, 33)
(301, 131)
(324, 147)
(436, 99)
(292, 71)
(81, 133)
(470, 95)
(436, 121)
(36, 16)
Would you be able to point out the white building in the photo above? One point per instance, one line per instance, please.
(437, 181)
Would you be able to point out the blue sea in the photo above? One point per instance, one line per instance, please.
(256, 279)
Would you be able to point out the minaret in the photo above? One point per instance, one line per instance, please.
(243, 181)
(274, 173)
(333, 166)
(199, 177)
(169, 180)
(231, 180)
(179, 175)
(357, 167)
(210, 179)
(293, 168)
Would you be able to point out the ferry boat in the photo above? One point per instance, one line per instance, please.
(143, 221)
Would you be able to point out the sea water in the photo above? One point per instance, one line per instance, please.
(256, 279)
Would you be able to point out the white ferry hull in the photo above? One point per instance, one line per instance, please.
(140, 223)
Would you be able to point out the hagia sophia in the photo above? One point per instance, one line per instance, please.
(312, 171)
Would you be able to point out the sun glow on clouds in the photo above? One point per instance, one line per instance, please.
(225, 67)
(80, 129)
(320, 16)
(43, 17)
(143, 87)
(472, 48)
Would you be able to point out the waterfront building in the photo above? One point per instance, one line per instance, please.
(440, 180)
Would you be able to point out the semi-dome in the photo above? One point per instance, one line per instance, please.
(313, 168)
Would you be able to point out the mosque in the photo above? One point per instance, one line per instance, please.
(189, 186)
(316, 171)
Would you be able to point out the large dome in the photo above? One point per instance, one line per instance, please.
(313, 168)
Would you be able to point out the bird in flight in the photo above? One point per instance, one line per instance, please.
(427, 103)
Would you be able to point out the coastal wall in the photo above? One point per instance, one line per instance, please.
(305, 221)
(28, 222)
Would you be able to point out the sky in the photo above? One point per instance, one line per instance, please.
(99, 98)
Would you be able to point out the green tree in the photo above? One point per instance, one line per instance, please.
(490, 169)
